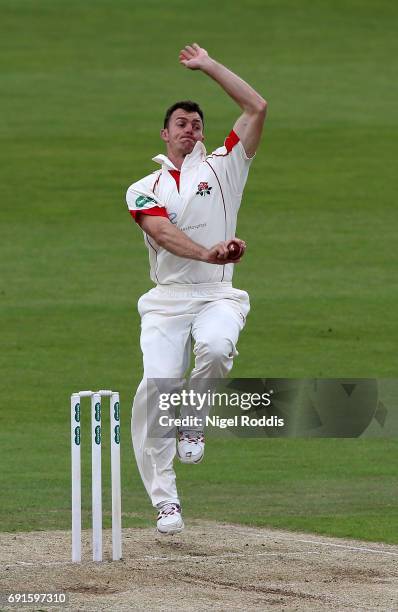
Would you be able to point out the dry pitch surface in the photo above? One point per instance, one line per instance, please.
(210, 566)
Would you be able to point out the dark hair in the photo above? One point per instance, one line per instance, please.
(186, 105)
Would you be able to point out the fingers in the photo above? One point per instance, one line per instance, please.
(183, 56)
(221, 260)
(219, 252)
(190, 51)
(224, 246)
(186, 54)
(222, 251)
(241, 243)
(193, 56)
(238, 240)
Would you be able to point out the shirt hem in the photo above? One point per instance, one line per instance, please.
(187, 286)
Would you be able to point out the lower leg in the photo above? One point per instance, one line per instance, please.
(154, 455)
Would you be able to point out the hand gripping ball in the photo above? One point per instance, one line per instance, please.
(235, 250)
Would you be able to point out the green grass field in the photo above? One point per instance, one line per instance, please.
(84, 88)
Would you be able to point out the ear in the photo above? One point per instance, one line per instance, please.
(164, 134)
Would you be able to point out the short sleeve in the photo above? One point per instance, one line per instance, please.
(141, 198)
(154, 211)
(232, 157)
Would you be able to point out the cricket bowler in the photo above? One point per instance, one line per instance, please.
(187, 210)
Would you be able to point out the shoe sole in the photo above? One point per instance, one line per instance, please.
(190, 462)
(171, 531)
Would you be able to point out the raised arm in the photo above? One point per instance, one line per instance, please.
(249, 126)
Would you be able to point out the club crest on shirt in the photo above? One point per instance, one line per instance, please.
(203, 189)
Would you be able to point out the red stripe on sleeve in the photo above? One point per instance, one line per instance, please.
(155, 211)
(231, 140)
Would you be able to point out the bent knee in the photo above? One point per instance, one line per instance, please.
(215, 349)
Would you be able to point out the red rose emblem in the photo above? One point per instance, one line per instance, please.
(203, 188)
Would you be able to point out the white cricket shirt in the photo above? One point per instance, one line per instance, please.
(202, 200)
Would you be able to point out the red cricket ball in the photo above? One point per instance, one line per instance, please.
(235, 250)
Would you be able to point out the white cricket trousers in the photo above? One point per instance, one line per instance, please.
(212, 315)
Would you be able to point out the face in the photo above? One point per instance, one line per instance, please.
(183, 132)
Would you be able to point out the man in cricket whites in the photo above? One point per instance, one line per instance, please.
(188, 210)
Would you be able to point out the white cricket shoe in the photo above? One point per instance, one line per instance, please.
(169, 519)
(190, 446)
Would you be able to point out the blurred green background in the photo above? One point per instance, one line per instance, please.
(84, 87)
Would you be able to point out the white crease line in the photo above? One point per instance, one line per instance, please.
(227, 555)
(346, 546)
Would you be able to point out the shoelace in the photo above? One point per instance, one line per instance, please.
(191, 437)
(168, 510)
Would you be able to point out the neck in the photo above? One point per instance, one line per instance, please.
(176, 159)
